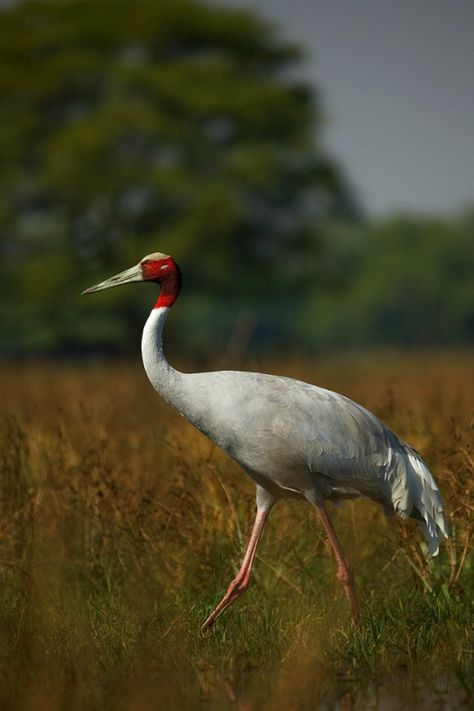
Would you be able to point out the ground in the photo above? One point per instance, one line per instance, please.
(122, 527)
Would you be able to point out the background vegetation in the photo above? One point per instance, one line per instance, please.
(132, 127)
(129, 127)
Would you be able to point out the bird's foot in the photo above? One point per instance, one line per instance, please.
(207, 624)
(235, 590)
(346, 578)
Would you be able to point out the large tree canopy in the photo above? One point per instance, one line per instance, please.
(134, 125)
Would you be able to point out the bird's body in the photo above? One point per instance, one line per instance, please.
(297, 439)
(294, 439)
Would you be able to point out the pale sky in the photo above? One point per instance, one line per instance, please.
(397, 83)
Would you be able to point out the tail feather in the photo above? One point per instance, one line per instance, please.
(415, 493)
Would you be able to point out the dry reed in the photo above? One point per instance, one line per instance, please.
(121, 526)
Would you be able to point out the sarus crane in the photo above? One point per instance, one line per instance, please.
(292, 438)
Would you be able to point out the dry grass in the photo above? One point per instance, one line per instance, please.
(121, 527)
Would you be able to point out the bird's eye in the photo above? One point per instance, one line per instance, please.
(146, 262)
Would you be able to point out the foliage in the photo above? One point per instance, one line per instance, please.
(130, 127)
(122, 525)
(402, 281)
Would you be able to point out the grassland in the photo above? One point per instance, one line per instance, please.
(121, 527)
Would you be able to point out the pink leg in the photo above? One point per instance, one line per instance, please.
(241, 581)
(344, 572)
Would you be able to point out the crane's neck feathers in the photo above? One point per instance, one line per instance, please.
(169, 278)
(164, 378)
(169, 290)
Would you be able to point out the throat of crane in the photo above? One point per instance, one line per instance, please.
(170, 286)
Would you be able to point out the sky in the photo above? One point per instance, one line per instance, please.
(397, 85)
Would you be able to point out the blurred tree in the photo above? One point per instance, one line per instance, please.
(135, 125)
(410, 282)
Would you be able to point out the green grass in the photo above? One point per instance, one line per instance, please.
(122, 527)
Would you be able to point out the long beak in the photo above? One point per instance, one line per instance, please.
(129, 275)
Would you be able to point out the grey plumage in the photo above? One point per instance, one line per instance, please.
(297, 439)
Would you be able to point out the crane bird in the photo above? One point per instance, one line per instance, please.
(293, 439)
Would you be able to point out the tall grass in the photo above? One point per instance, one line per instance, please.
(121, 527)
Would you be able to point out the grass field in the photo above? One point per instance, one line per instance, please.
(121, 527)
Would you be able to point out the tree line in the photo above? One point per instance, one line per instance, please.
(130, 127)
